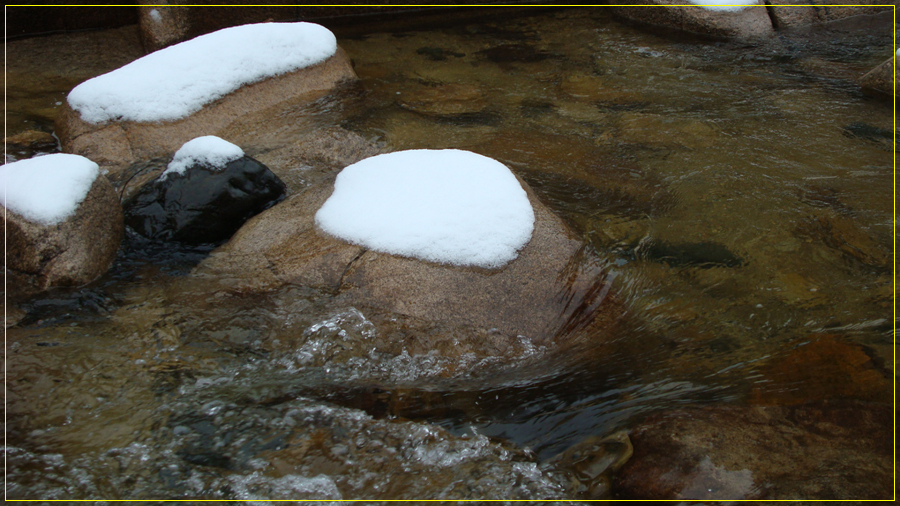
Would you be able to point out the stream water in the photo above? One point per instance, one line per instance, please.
(740, 196)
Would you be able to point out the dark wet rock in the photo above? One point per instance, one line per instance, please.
(839, 450)
(880, 79)
(437, 53)
(751, 22)
(116, 145)
(592, 462)
(73, 252)
(553, 287)
(203, 205)
(692, 254)
(515, 53)
(824, 366)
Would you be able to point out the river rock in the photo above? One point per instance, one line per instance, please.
(751, 22)
(881, 78)
(791, 14)
(203, 205)
(553, 287)
(72, 252)
(826, 451)
(162, 26)
(115, 145)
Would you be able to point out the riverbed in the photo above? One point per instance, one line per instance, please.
(739, 196)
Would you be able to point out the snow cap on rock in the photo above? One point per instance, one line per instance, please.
(444, 206)
(179, 80)
(48, 189)
(723, 5)
(208, 150)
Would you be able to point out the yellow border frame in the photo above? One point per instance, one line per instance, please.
(894, 267)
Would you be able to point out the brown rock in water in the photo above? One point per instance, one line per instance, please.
(881, 78)
(117, 145)
(70, 253)
(554, 287)
(673, 14)
(826, 367)
(838, 450)
(162, 26)
(32, 139)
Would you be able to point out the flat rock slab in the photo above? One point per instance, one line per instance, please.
(72, 252)
(115, 145)
(552, 287)
(672, 14)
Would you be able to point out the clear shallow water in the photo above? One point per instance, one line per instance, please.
(739, 196)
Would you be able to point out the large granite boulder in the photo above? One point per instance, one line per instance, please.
(553, 288)
(68, 249)
(117, 140)
(749, 22)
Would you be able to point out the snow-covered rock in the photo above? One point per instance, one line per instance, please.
(445, 206)
(713, 18)
(64, 223)
(553, 286)
(208, 191)
(204, 86)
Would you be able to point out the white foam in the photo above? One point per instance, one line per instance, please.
(445, 206)
(177, 81)
(48, 189)
(209, 150)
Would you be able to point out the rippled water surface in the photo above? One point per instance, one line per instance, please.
(739, 196)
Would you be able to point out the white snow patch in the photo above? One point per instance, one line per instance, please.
(445, 206)
(208, 150)
(155, 15)
(177, 81)
(723, 5)
(48, 189)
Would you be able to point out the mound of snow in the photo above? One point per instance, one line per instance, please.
(208, 150)
(444, 206)
(723, 5)
(177, 81)
(48, 189)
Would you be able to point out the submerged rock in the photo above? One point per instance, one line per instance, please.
(203, 205)
(839, 450)
(749, 22)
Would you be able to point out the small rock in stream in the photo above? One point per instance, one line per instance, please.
(203, 205)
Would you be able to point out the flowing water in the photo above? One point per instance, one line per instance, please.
(739, 196)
